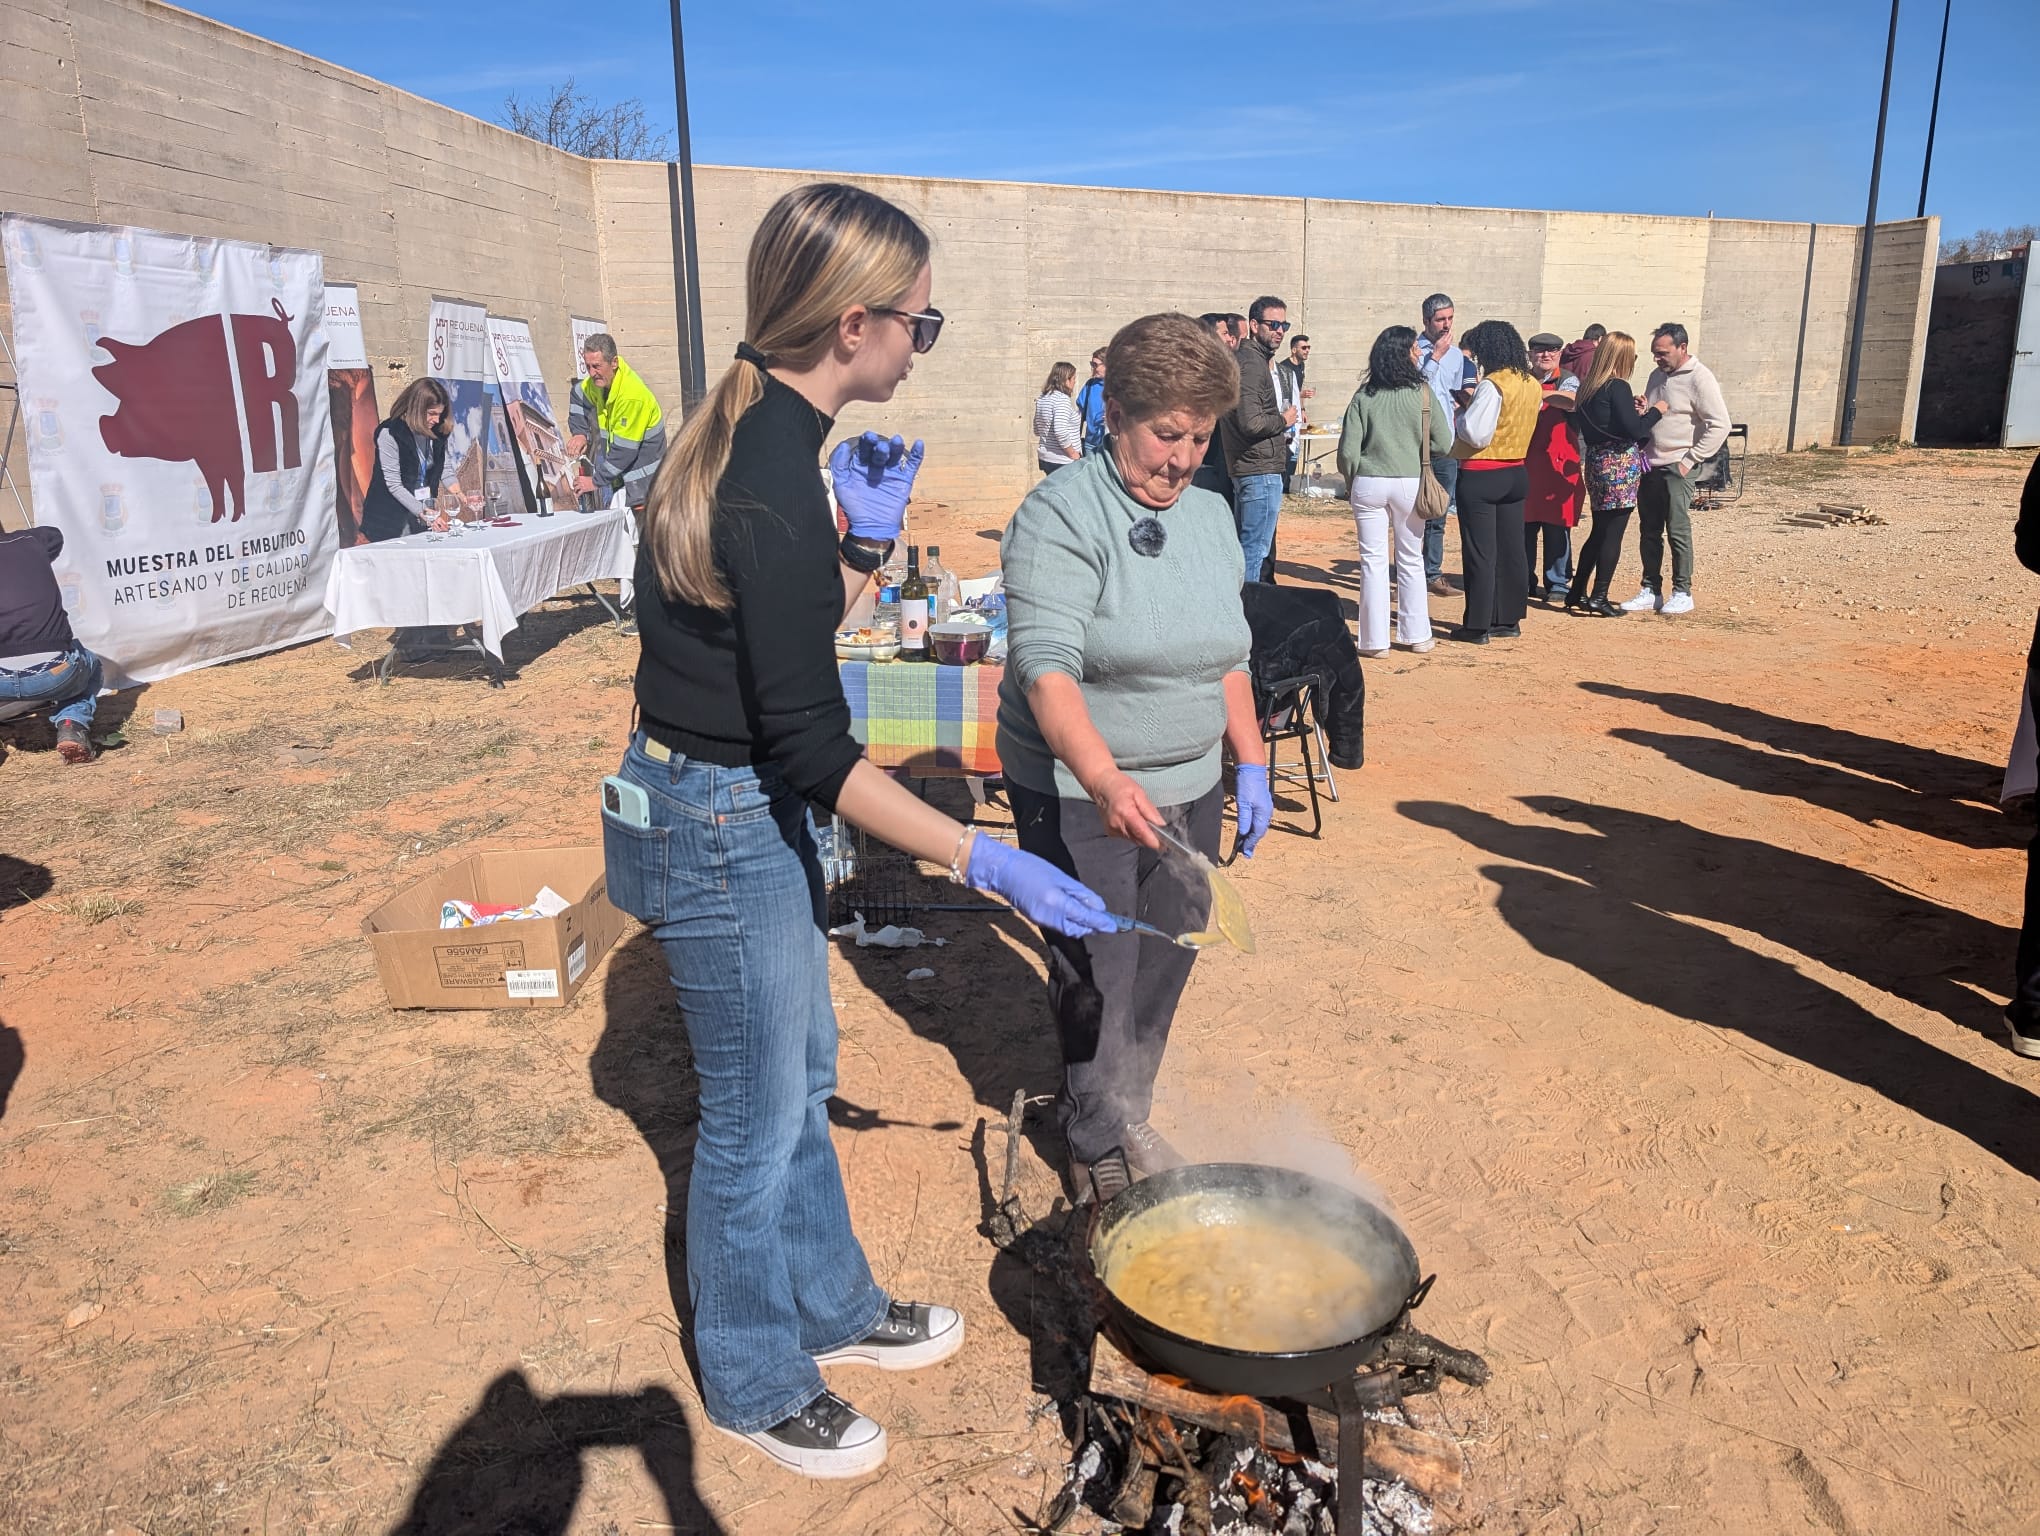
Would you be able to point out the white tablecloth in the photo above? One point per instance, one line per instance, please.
(482, 575)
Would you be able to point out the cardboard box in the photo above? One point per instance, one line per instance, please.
(530, 963)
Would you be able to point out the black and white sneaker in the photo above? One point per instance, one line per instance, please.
(828, 1438)
(2023, 1043)
(911, 1334)
(1103, 1181)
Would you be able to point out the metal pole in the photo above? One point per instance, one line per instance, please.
(1869, 234)
(1934, 112)
(686, 263)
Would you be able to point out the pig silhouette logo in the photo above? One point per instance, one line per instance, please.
(176, 400)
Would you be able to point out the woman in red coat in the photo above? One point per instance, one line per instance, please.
(1553, 505)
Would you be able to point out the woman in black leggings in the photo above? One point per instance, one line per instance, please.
(1493, 437)
(1612, 434)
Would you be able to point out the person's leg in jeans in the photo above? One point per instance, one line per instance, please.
(1512, 569)
(1446, 469)
(1477, 548)
(1558, 573)
(1369, 497)
(1678, 492)
(69, 689)
(1259, 505)
(775, 1273)
(1652, 499)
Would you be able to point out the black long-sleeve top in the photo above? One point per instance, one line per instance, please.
(758, 685)
(32, 617)
(2026, 541)
(1611, 415)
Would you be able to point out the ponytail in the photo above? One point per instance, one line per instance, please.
(680, 512)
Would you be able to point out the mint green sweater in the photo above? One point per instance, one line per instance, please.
(1379, 438)
(1150, 640)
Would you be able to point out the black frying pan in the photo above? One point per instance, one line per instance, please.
(1366, 1232)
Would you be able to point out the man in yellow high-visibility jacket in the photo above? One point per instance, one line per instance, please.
(616, 422)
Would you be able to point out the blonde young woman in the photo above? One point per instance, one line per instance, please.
(1058, 425)
(743, 581)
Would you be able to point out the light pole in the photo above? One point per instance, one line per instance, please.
(1848, 433)
(686, 265)
(1934, 112)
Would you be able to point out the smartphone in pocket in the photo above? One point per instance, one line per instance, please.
(627, 802)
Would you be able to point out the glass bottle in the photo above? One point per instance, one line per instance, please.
(914, 607)
(943, 586)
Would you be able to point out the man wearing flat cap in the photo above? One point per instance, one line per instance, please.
(1553, 464)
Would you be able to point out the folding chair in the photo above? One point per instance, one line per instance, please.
(1287, 709)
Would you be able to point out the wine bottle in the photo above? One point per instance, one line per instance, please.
(914, 604)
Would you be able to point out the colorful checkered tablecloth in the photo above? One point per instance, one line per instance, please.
(931, 720)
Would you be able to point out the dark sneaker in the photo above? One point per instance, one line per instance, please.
(912, 1334)
(1469, 636)
(1507, 631)
(1148, 1152)
(74, 743)
(2023, 1043)
(1103, 1181)
(828, 1438)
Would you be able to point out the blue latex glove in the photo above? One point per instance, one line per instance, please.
(874, 476)
(1038, 890)
(1256, 807)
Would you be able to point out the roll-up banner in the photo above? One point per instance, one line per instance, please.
(350, 394)
(532, 419)
(174, 390)
(583, 328)
(480, 479)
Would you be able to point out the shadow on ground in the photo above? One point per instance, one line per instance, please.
(514, 1465)
(1610, 900)
(1920, 769)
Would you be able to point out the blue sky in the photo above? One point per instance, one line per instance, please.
(1749, 108)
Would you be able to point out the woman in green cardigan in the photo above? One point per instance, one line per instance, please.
(1126, 669)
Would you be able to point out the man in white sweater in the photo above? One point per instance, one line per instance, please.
(1689, 433)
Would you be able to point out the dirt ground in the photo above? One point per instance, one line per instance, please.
(1650, 968)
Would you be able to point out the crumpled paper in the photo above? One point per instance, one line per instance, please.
(473, 914)
(891, 936)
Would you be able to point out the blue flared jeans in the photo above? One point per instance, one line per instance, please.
(728, 879)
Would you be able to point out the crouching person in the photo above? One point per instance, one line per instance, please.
(42, 665)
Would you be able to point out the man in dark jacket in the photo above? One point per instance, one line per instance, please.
(2024, 1014)
(1256, 433)
(1211, 475)
(42, 665)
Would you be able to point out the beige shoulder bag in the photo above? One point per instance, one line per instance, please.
(1432, 501)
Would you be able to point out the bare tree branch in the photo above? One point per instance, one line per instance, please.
(568, 118)
(1989, 244)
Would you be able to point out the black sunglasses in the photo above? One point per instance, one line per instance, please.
(922, 325)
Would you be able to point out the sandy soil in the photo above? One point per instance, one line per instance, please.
(1650, 968)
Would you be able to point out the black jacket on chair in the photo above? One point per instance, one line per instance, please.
(1299, 631)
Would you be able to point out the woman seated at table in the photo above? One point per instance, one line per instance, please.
(1126, 668)
(410, 456)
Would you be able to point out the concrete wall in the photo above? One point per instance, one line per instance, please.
(129, 111)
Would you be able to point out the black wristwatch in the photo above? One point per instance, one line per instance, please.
(864, 555)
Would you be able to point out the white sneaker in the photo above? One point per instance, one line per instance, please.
(910, 1335)
(1678, 602)
(828, 1438)
(1418, 647)
(1370, 655)
(1645, 601)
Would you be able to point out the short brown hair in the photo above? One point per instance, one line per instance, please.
(419, 396)
(1163, 363)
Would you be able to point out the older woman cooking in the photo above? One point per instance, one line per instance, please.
(1126, 668)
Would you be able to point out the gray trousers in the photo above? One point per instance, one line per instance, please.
(1114, 995)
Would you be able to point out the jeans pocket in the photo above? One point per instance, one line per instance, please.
(636, 861)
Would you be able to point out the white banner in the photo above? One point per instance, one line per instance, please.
(529, 409)
(457, 354)
(583, 329)
(345, 345)
(174, 389)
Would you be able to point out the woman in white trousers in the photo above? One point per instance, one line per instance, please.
(1383, 447)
